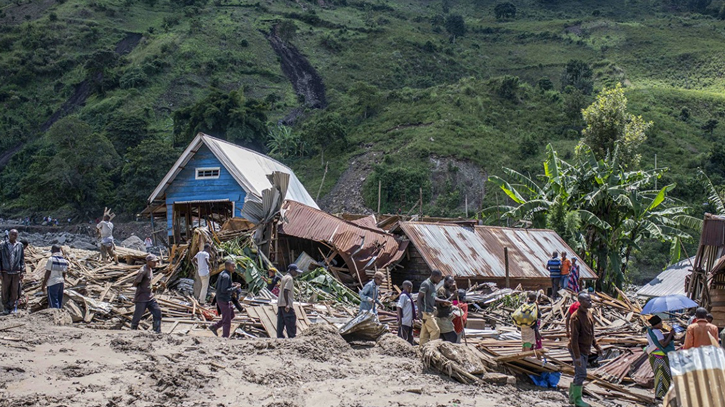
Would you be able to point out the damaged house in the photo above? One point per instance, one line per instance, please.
(215, 180)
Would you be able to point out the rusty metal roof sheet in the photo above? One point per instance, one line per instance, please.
(362, 248)
(478, 252)
(670, 281)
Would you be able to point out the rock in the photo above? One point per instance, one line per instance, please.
(134, 242)
(83, 245)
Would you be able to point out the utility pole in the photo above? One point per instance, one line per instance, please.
(655, 171)
(380, 187)
(466, 206)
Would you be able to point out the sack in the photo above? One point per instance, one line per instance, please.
(526, 314)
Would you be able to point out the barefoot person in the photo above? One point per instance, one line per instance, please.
(144, 297)
(54, 279)
(12, 267)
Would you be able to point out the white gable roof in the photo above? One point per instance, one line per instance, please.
(249, 168)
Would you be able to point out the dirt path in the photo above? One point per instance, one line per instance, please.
(58, 365)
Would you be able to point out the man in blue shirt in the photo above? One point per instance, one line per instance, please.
(369, 294)
(554, 267)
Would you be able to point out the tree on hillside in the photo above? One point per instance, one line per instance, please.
(455, 25)
(504, 11)
(601, 208)
(145, 164)
(610, 127)
(698, 6)
(286, 30)
(126, 131)
(710, 126)
(225, 115)
(577, 74)
(74, 168)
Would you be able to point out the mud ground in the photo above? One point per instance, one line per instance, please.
(49, 362)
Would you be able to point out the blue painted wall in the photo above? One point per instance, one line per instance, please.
(187, 188)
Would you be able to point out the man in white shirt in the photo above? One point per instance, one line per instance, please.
(406, 313)
(203, 265)
(53, 282)
(105, 229)
(286, 318)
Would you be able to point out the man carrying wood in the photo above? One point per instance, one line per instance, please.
(202, 263)
(105, 229)
(369, 294)
(426, 304)
(144, 297)
(54, 279)
(582, 339)
(224, 289)
(12, 267)
(286, 318)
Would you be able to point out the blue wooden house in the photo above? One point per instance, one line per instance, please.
(215, 180)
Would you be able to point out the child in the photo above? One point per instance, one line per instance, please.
(406, 313)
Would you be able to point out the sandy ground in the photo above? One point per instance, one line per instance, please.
(47, 362)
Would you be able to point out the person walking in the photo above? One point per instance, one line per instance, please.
(565, 269)
(444, 308)
(369, 294)
(12, 268)
(658, 346)
(426, 305)
(286, 318)
(224, 288)
(105, 230)
(526, 318)
(554, 267)
(582, 339)
(574, 275)
(203, 265)
(406, 313)
(53, 282)
(144, 297)
(699, 332)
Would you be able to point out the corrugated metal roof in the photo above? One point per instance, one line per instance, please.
(362, 248)
(475, 252)
(670, 281)
(697, 377)
(249, 168)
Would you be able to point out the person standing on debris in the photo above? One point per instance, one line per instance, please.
(444, 318)
(574, 275)
(572, 309)
(369, 294)
(144, 297)
(203, 265)
(459, 322)
(582, 339)
(224, 289)
(286, 318)
(54, 279)
(12, 267)
(526, 318)
(565, 269)
(148, 243)
(105, 229)
(554, 267)
(406, 313)
(426, 304)
(658, 345)
(698, 333)
(273, 280)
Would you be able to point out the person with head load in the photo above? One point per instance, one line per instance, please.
(444, 316)
(369, 294)
(224, 289)
(12, 268)
(286, 318)
(699, 332)
(53, 282)
(427, 301)
(144, 297)
(582, 339)
(203, 265)
(659, 345)
(554, 267)
(406, 313)
(108, 247)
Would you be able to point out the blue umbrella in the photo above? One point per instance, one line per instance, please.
(668, 303)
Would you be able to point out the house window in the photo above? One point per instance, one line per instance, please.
(207, 173)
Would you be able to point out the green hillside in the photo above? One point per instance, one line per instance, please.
(98, 97)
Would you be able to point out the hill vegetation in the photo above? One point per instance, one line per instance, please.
(99, 96)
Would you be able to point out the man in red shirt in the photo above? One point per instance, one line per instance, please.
(459, 323)
(569, 313)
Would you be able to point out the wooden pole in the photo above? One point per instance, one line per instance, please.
(322, 183)
(420, 217)
(380, 189)
(506, 265)
(466, 206)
